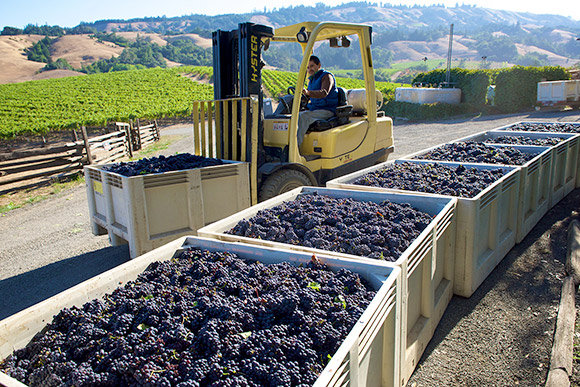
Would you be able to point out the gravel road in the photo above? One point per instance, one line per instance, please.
(500, 336)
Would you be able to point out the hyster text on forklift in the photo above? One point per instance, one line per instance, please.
(234, 126)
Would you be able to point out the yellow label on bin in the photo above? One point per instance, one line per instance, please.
(98, 187)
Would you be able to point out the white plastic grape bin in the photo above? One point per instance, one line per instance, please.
(369, 356)
(534, 191)
(573, 161)
(486, 223)
(148, 211)
(427, 264)
(564, 157)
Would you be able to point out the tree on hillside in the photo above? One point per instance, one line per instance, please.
(183, 50)
(140, 54)
(111, 37)
(59, 64)
(44, 30)
(40, 51)
(81, 29)
(11, 31)
(498, 49)
(532, 59)
(572, 48)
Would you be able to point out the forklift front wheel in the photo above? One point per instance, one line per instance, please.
(282, 181)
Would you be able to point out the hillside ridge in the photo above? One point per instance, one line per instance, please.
(400, 33)
(465, 17)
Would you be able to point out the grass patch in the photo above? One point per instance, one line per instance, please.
(9, 207)
(16, 200)
(157, 147)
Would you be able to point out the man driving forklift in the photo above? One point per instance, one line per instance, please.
(351, 137)
(323, 97)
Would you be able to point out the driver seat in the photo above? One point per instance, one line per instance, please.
(343, 112)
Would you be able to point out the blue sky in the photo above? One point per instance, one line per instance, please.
(69, 13)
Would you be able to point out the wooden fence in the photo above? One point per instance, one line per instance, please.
(29, 168)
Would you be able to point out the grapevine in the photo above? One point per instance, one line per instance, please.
(39, 106)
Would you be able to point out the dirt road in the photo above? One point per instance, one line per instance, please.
(48, 247)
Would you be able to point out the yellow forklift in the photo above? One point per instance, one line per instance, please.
(235, 126)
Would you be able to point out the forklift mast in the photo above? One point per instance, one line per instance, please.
(237, 72)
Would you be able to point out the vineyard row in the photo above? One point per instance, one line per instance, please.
(37, 107)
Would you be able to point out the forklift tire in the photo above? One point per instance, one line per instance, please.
(282, 181)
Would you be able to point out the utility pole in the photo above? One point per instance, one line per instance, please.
(448, 74)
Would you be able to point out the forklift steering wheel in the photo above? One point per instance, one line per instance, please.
(303, 99)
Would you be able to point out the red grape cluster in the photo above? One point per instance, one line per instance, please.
(375, 230)
(475, 152)
(162, 164)
(564, 127)
(434, 178)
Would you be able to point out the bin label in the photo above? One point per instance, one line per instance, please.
(98, 187)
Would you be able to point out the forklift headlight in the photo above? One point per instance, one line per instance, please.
(302, 35)
(344, 42)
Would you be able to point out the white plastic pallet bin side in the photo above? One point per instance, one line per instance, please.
(443, 268)
(573, 163)
(535, 194)
(217, 187)
(95, 200)
(559, 155)
(570, 156)
(149, 211)
(136, 224)
(575, 167)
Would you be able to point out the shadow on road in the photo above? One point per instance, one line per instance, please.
(24, 290)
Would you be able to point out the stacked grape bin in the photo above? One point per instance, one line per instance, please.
(151, 209)
(367, 356)
(535, 164)
(486, 221)
(427, 264)
(492, 220)
(572, 162)
(563, 154)
(416, 230)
